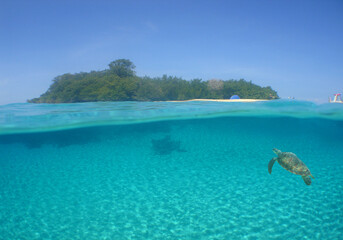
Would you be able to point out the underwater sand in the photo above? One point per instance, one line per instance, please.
(175, 172)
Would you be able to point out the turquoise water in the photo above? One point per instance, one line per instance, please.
(192, 170)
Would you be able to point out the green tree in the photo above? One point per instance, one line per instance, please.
(119, 83)
(122, 68)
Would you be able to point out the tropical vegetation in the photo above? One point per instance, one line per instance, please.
(120, 83)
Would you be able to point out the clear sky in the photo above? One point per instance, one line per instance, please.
(294, 46)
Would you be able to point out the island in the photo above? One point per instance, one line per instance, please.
(120, 83)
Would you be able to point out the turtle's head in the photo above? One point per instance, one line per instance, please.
(276, 151)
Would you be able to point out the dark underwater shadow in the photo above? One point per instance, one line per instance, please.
(58, 138)
(81, 136)
(166, 146)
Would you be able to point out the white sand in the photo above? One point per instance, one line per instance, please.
(224, 100)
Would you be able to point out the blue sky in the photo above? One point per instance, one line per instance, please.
(294, 46)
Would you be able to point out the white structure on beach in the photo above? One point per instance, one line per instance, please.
(336, 99)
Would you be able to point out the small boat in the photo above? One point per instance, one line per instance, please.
(336, 99)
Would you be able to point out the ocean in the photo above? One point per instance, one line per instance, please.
(169, 170)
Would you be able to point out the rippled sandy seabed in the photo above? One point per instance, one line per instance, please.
(180, 178)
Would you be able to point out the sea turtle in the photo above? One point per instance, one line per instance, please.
(291, 163)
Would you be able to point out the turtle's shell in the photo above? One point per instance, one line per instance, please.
(292, 163)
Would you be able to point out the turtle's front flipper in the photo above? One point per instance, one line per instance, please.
(307, 180)
(270, 165)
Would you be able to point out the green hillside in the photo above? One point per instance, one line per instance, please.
(120, 83)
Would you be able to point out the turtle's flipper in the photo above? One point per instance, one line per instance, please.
(270, 165)
(307, 180)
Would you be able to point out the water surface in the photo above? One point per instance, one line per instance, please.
(169, 171)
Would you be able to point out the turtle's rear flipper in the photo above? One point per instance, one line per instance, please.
(307, 180)
(270, 165)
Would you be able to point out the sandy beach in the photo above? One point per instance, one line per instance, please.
(224, 100)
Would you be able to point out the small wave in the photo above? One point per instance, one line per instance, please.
(26, 117)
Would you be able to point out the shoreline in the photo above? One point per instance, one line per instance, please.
(222, 100)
